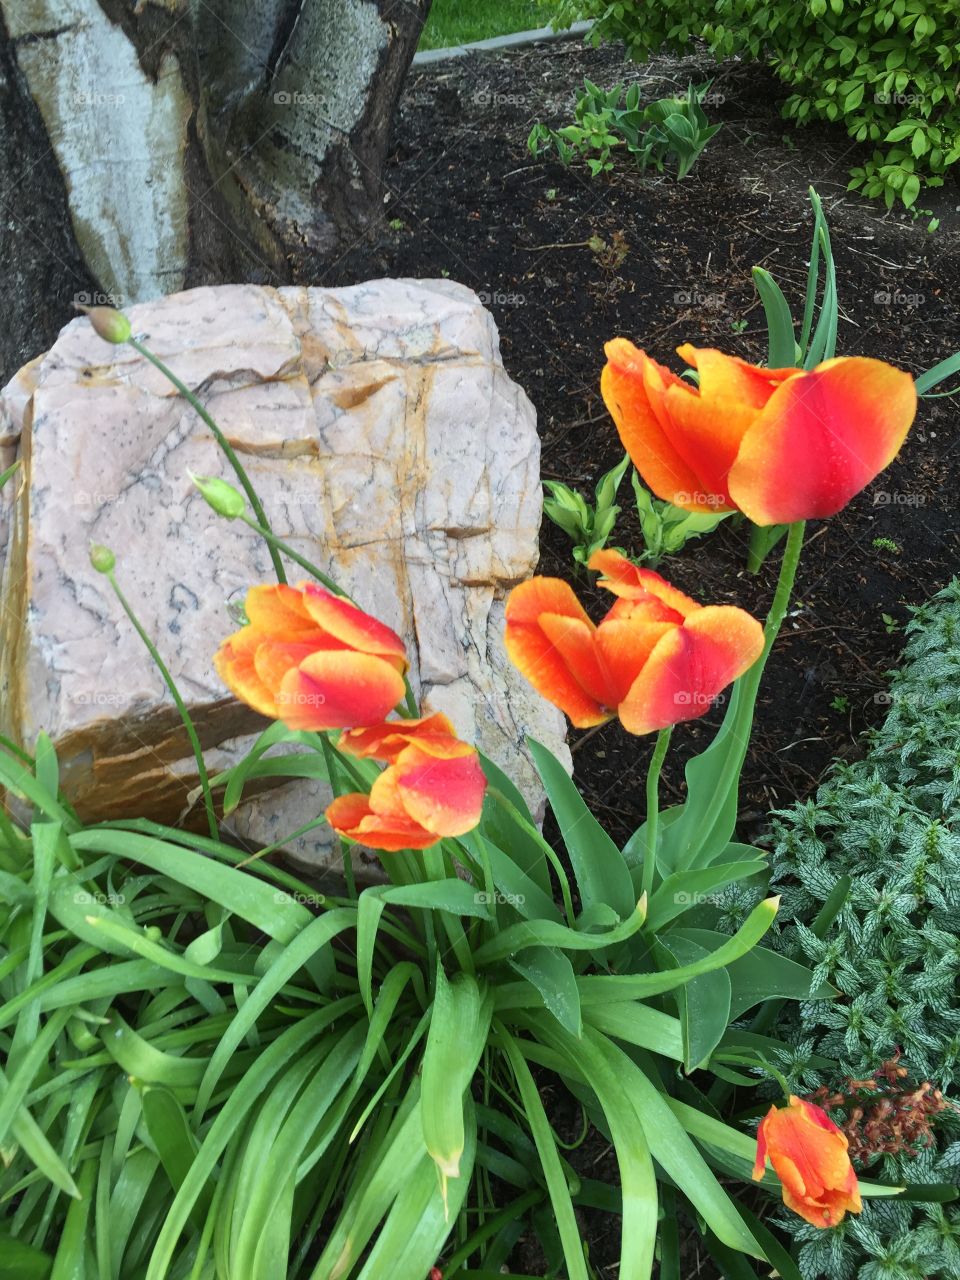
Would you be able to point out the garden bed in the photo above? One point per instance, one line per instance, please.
(468, 200)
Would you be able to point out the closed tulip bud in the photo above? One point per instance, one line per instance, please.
(111, 325)
(809, 1156)
(224, 498)
(102, 558)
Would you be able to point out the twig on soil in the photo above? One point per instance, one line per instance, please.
(574, 244)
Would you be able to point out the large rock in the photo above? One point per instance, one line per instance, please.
(388, 445)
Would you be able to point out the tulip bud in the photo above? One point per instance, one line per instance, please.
(110, 324)
(102, 558)
(224, 498)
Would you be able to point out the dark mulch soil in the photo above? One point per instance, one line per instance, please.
(475, 206)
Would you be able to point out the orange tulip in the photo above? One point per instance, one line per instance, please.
(312, 659)
(432, 787)
(778, 444)
(656, 659)
(809, 1156)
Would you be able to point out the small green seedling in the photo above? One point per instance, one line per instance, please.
(587, 525)
(667, 529)
(890, 625)
(841, 703)
(738, 326)
(886, 544)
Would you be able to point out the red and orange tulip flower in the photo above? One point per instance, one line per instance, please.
(656, 659)
(312, 659)
(432, 787)
(809, 1156)
(779, 445)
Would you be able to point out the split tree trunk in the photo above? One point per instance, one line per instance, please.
(148, 147)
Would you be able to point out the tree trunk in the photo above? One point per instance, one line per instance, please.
(153, 146)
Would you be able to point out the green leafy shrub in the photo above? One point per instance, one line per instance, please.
(670, 128)
(888, 69)
(889, 823)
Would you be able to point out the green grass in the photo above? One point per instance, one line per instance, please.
(460, 21)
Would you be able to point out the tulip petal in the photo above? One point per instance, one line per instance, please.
(624, 646)
(689, 666)
(543, 595)
(574, 641)
(351, 626)
(278, 609)
(823, 436)
(819, 1213)
(707, 428)
(443, 796)
(760, 1162)
(537, 658)
(617, 573)
(234, 663)
(275, 657)
(334, 689)
(633, 388)
(724, 377)
(812, 1113)
(631, 582)
(351, 817)
(662, 590)
(385, 741)
(539, 662)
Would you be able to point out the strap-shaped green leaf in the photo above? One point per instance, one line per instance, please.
(703, 1003)
(598, 864)
(939, 373)
(781, 342)
(640, 1025)
(145, 1062)
(316, 936)
(175, 1143)
(552, 974)
(238, 892)
(70, 1261)
(545, 933)
(290, 1045)
(605, 988)
(671, 1148)
(550, 1161)
(459, 1027)
(685, 889)
(421, 1220)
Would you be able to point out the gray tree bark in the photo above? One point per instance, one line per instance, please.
(151, 146)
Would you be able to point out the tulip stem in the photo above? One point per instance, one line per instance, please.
(781, 599)
(221, 440)
(739, 718)
(181, 707)
(331, 760)
(653, 809)
(277, 545)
